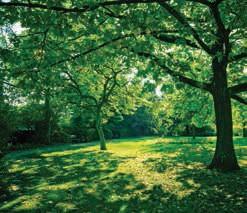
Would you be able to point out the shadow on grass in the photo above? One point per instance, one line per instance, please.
(185, 153)
(191, 151)
(77, 180)
(83, 180)
(214, 191)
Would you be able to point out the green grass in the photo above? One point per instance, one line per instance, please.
(134, 175)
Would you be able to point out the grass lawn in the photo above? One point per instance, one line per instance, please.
(134, 175)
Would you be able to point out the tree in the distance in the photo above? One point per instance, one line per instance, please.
(103, 90)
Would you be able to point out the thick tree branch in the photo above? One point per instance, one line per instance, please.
(110, 13)
(239, 99)
(184, 22)
(86, 8)
(218, 20)
(83, 9)
(194, 83)
(238, 57)
(177, 75)
(238, 88)
(174, 39)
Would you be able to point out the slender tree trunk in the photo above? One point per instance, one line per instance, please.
(224, 156)
(49, 132)
(244, 129)
(100, 132)
(48, 115)
(1, 88)
(193, 131)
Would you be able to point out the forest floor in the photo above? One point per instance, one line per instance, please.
(134, 175)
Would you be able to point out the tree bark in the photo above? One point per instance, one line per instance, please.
(1, 88)
(48, 115)
(100, 133)
(224, 156)
(193, 131)
(244, 129)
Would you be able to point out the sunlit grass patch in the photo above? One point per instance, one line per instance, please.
(133, 175)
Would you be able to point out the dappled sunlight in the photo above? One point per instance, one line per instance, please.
(62, 153)
(27, 205)
(155, 174)
(49, 186)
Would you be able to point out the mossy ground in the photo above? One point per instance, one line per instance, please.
(133, 175)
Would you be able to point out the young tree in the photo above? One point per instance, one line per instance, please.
(104, 90)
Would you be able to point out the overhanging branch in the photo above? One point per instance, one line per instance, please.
(238, 88)
(174, 39)
(78, 55)
(179, 17)
(239, 99)
(177, 75)
(83, 9)
(238, 57)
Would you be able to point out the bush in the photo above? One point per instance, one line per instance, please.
(7, 126)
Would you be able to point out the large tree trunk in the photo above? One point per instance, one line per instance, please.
(100, 133)
(224, 156)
